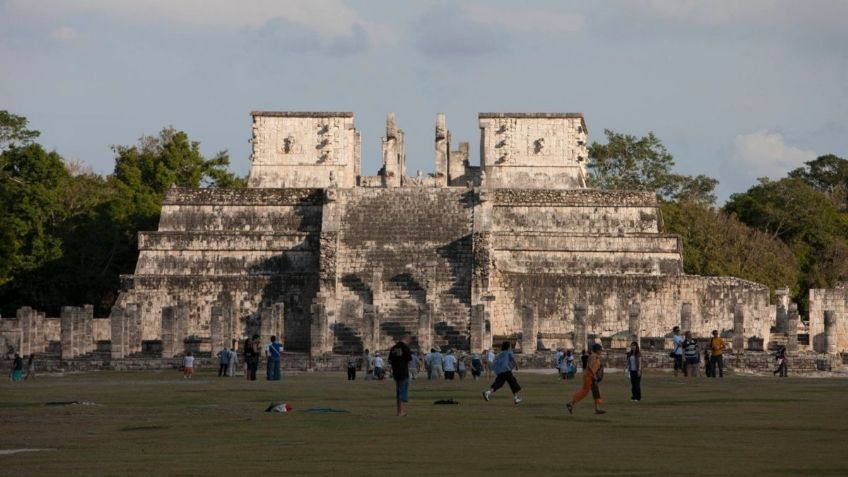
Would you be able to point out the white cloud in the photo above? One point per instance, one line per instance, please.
(64, 34)
(528, 19)
(766, 154)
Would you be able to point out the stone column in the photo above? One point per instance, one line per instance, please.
(685, 318)
(831, 332)
(67, 316)
(133, 330)
(442, 151)
(425, 328)
(478, 328)
(394, 156)
(278, 314)
(87, 341)
(119, 329)
(529, 329)
(24, 316)
(323, 311)
(371, 327)
(792, 328)
(634, 322)
(216, 329)
(782, 317)
(169, 331)
(581, 336)
(738, 328)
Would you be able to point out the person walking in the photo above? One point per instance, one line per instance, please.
(399, 358)
(436, 364)
(567, 367)
(677, 351)
(378, 366)
(691, 353)
(223, 361)
(351, 367)
(502, 366)
(232, 363)
(17, 368)
(717, 360)
(460, 367)
(274, 351)
(476, 366)
(634, 367)
(780, 359)
(488, 359)
(449, 363)
(188, 365)
(593, 375)
(30, 367)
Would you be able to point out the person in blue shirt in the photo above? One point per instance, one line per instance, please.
(502, 367)
(274, 351)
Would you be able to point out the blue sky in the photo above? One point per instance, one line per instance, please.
(735, 89)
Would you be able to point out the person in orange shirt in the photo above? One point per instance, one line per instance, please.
(716, 360)
(591, 377)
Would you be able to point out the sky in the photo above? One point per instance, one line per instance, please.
(736, 90)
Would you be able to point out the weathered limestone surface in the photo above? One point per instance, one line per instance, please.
(836, 301)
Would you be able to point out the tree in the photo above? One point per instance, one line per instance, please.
(631, 163)
(827, 174)
(13, 131)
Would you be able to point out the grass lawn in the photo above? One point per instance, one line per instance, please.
(155, 423)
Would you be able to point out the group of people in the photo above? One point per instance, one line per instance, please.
(228, 359)
(17, 372)
(435, 364)
(686, 353)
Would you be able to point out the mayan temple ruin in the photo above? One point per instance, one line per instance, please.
(336, 261)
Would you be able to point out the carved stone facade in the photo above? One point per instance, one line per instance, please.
(333, 261)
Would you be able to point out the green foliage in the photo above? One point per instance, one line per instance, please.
(716, 243)
(67, 234)
(827, 174)
(629, 163)
(807, 220)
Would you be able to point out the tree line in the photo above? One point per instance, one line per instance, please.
(68, 233)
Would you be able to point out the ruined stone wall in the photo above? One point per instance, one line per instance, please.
(536, 150)
(835, 300)
(403, 249)
(607, 300)
(242, 250)
(304, 150)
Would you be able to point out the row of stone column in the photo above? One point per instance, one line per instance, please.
(126, 330)
(77, 335)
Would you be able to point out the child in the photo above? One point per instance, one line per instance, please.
(188, 365)
(502, 366)
(378, 366)
(351, 367)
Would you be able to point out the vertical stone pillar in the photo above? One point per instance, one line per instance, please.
(478, 328)
(24, 316)
(169, 324)
(394, 156)
(119, 329)
(792, 328)
(66, 318)
(425, 328)
(321, 340)
(371, 327)
(581, 336)
(529, 329)
(278, 315)
(738, 328)
(634, 324)
(685, 318)
(457, 164)
(781, 321)
(87, 339)
(132, 330)
(831, 332)
(266, 324)
(216, 329)
(442, 151)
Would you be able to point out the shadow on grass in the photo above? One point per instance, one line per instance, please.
(144, 428)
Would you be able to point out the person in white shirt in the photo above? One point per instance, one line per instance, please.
(188, 365)
(450, 365)
(490, 358)
(378, 366)
(677, 352)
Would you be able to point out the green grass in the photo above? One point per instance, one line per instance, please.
(155, 423)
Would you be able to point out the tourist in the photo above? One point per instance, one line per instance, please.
(593, 375)
(634, 367)
(691, 354)
(780, 359)
(558, 358)
(274, 351)
(567, 367)
(378, 366)
(366, 363)
(427, 366)
(414, 363)
(17, 368)
(502, 366)
(188, 365)
(677, 351)
(708, 363)
(223, 361)
(400, 357)
(30, 367)
(251, 356)
(476, 366)
(584, 359)
(717, 361)
(460, 367)
(449, 363)
(488, 360)
(436, 364)
(232, 362)
(351, 367)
